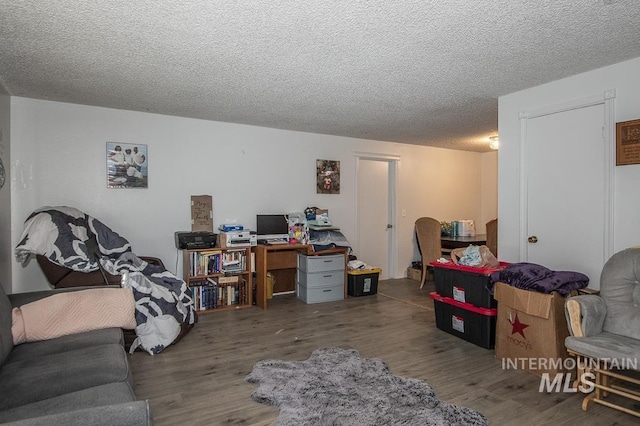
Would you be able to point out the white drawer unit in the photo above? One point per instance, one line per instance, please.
(320, 278)
(312, 264)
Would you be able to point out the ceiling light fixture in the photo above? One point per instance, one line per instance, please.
(494, 142)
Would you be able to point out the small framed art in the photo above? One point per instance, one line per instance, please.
(127, 165)
(628, 142)
(328, 177)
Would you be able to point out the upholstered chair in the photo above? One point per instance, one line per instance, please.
(605, 331)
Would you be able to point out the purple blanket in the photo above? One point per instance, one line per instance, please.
(533, 277)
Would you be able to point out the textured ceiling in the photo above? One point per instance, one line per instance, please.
(410, 71)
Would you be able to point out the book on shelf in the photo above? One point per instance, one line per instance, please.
(205, 262)
(228, 279)
(209, 262)
(212, 297)
(234, 261)
(204, 292)
(216, 277)
(212, 293)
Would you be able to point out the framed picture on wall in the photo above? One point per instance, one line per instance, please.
(127, 165)
(328, 177)
(628, 142)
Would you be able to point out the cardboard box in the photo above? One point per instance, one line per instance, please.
(414, 274)
(530, 331)
(201, 213)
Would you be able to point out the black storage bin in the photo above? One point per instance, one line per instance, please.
(465, 284)
(362, 282)
(468, 322)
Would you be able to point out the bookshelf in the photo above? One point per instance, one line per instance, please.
(219, 278)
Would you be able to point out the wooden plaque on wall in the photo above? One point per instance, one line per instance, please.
(628, 142)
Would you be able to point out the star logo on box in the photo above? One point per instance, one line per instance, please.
(518, 327)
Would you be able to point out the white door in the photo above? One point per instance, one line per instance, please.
(373, 217)
(566, 193)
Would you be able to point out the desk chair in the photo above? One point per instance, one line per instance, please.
(492, 236)
(428, 233)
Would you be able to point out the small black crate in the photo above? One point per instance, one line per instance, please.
(468, 322)
(465, 284)
(362, 282)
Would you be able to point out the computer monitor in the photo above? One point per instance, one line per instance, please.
(272, 227)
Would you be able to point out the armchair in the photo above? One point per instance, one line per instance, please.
(605, 333)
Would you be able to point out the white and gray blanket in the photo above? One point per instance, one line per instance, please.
(163, 301)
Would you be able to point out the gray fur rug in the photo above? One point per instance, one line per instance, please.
(337, 387)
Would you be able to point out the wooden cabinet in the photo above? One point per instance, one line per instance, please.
(219, 279)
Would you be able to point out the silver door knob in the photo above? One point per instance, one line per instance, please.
(532, 239)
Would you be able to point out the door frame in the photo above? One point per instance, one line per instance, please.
(607, 98)
(393, 163)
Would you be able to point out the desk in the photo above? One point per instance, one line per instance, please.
(449, 243)
(282, 260)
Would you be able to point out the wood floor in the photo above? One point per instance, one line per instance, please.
(200, 381)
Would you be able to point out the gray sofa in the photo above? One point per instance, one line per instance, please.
(82, 379)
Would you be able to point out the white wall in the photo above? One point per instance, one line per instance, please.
(622, 77)
(5, 192)
(59, 152)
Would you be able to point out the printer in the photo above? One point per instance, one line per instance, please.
(195, 240)
(243, 238)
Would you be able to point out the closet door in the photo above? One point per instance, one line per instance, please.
(566, 194)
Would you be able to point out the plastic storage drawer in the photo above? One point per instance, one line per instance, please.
(468, 322)
(320, 279)
(311, 264)
(320, 294)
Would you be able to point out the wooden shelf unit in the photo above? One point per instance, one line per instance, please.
(219, 278)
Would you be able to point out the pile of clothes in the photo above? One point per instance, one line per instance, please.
(534, 277)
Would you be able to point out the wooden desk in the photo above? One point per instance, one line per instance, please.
(450, 243)
(282, 260)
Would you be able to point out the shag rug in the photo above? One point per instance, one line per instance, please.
(338, 387)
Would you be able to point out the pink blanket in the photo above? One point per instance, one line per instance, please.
(73, 312)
